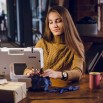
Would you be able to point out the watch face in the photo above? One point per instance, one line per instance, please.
(65, 74)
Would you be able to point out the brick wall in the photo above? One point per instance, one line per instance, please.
(82, 8)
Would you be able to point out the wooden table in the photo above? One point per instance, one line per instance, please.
(83, 95)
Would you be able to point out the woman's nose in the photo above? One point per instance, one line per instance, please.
(55, 24)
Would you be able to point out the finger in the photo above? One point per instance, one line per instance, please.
(31, 73)
(48, 70)
(36, 71)
(28, 74)
(32, 70)
(46, 74)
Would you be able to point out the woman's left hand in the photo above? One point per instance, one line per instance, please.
(52, 74)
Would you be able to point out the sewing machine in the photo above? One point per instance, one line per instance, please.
(14, 61)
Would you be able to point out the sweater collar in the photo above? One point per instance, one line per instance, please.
(59, 39)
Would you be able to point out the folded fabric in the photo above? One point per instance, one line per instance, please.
(65, 89)
(39, 83)
(42, 84)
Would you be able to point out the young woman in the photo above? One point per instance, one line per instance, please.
(62, 47)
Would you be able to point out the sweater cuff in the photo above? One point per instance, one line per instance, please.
(74, 75)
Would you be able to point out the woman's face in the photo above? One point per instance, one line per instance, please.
(55, 23)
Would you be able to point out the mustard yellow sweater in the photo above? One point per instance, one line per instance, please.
(59, 58)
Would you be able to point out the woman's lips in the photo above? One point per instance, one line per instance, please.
(56, 30)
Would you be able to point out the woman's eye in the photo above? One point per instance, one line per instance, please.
(59, 20)
(56, 21)
(50, 22)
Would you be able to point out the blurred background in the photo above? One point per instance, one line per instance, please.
(22, 21)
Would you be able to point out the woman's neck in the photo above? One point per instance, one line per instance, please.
(59, 39)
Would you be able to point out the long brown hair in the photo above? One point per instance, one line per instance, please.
(72, 39)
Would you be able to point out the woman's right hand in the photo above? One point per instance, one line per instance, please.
(30, 72)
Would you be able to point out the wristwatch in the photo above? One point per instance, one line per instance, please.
(64, 76)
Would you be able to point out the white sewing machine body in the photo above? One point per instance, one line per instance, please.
(20, 57)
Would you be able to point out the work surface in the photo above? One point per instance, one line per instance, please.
(83, 95)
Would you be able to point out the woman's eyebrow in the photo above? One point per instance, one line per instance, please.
(50, 20)
(58, 19)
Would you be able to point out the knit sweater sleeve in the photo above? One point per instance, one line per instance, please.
(76, 71)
